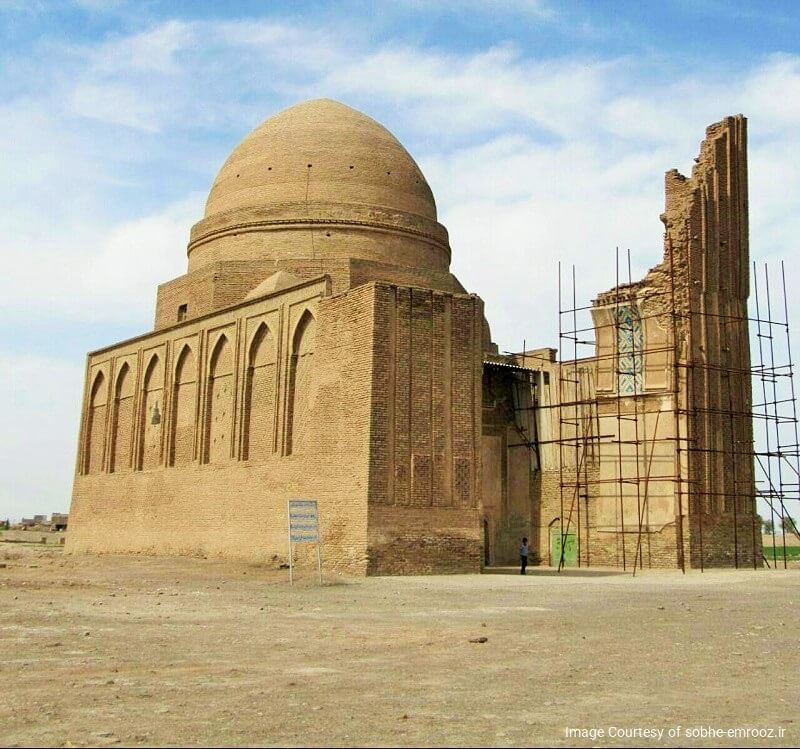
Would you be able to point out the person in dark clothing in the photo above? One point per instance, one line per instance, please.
(523, 556)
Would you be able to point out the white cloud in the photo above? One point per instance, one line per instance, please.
(154, 50)
(116, 104)
(100, 273)
(532, 8)
(531, 160)
(478, 93)
(40, 404)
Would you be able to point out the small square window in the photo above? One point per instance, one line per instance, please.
(182, 310)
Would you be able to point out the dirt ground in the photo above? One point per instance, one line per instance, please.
(153, 651)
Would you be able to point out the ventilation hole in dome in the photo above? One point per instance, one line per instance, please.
(327, 233)
(269, 168)
(308, 165)
(351, 166)
(237, 175)
(388, 172)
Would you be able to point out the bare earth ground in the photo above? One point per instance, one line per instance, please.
(105, 650)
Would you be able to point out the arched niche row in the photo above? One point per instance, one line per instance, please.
(184, 409)
(94, 449)
(301, 383)
(122, 421)
(151, 416)
(259, 396)
(219, 404)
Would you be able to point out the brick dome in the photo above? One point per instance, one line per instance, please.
(320, 164)
(321, 150)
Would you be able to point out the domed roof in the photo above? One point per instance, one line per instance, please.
(320, 181)
(320, 151)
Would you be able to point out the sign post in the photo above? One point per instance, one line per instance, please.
(303, 525)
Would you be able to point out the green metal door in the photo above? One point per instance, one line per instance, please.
(570, 550)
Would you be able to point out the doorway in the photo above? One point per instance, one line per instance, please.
(570, 549)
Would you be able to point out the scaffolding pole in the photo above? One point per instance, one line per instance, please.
(714, 463)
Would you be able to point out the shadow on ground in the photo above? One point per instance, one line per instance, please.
(549, 571)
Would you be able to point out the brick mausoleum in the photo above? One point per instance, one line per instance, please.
(318, 347)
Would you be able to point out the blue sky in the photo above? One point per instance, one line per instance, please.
(544, 129)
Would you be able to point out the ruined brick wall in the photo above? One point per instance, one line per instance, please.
(678, 461)
(210, 469)
(424, 487)
(706, 220)
(720, 540)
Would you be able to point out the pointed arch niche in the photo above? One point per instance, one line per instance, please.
(122, 421)
(301, 383)
(259, 397)
(219, 404)
(96, 426)
(184, 409)
(151, 415)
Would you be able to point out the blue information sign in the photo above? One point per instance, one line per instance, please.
(303, 528)
(303, 525)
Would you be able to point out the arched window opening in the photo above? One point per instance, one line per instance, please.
(96, 426)
(122, 421)
(301, 384)
(184, 409)
(259, 401)
(150, 415)
(219, 404)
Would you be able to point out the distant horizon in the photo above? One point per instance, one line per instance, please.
(544, 129)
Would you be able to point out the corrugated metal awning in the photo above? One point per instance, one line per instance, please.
(506, 365)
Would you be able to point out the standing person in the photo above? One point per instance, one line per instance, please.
(523, 556)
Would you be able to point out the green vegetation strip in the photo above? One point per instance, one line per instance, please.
(792, 552)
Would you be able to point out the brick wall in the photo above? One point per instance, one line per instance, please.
(221, 496)
(676, 475)
(424, 491)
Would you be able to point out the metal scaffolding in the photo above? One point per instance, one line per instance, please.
(754, 440)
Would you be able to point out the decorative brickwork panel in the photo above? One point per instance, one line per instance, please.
(301, 385)
(462, 471)
(184, 408)
(260, 397)
(219, 410)
(96, 425)
(421, 481)
(440, 481)
(382, 417)
(122, 421)
(402, 397)
(441, 400)
(427, 358)
(421, 394)
(463, 375)
(630, 350)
